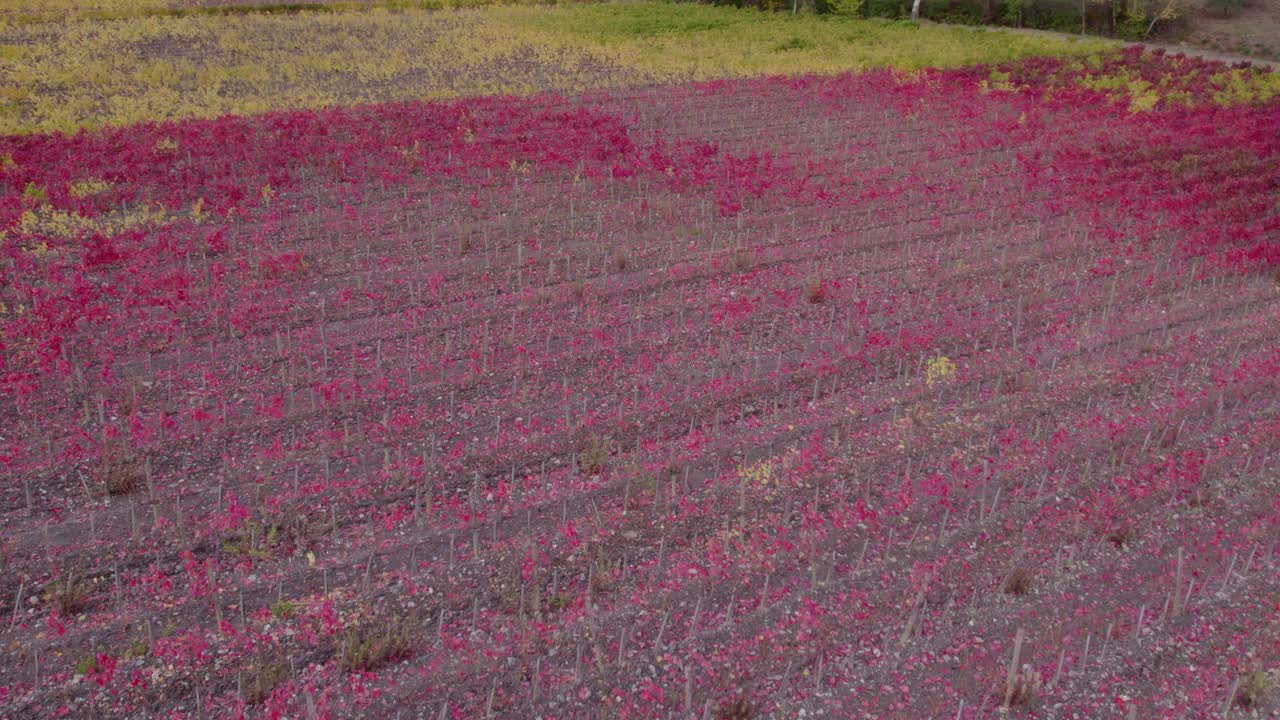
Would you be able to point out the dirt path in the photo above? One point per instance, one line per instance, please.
(1253, 28)
(1171, 48)
(1228, 58)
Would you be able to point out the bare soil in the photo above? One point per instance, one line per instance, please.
(1251, 30)
(1204, 45)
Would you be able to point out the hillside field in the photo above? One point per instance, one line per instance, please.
(643, 361)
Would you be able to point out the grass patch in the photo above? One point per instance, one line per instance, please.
(705, 41)
(26, 12)
(793, 43)
(62, 75)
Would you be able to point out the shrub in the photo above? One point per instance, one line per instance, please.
(87, 664)
(842, 8)
(1023, 687)
(283, 609)
(739, 709)
(620, 260)
(891, 9)
(69, 596)
(939, 369)
(266, 672)
(122, 474)
(952, 12)
(1044, 17)
(793, 43)
(1019, 582)
(1121, 536)
(594, 458)
(1013, 13)
(1132, 28)
(816, 292)
(1255, 688)
(253, 541)
(369, 647)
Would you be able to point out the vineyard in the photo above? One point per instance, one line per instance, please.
(898, 393)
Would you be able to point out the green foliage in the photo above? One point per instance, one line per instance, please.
(283, 609)
(1132, 28)
(653, 19)
(86, 665)
(254, 541)
(1044, 17)
(793, 43)
(1130, 24)
(889, 9)
(839, 8)
(952, 12)
(1013, 12)
(35, 194)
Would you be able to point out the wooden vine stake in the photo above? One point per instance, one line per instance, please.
(1011, 678)
(1177, 586)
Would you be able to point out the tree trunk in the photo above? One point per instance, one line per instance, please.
(915, 10)
(1155, 17)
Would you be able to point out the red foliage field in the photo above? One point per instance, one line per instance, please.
(872, 396)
